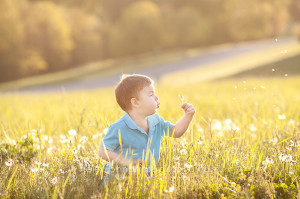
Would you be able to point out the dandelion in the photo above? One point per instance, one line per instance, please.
(72, 132)
(274, 141)
(268, 161)
(188, 166)
(183, 152)
(73, 178)
(80, 146)
(33, 130)
(233, 184)
(216, 125)
(285, 75)
(120, 176)
(50, 140)
(94, 197)
(34, 169)
(83, 139)
(53, 180)
(105, 131)
(248, 185)
(74, 151)
(252, 128)
(281, 117)
(170, 190)
(273, 69)
(253, 135)
(45, 165)
(292, 123)
(31, 176)
(228, 121)
(182, 98)
(49, 150)
(200, 142)
(37, 163)
(9, 163)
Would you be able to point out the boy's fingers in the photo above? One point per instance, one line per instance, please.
(183, 105)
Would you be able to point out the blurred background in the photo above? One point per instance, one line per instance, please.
(96, 37)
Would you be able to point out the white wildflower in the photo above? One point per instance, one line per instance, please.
(183, 152)
(228, 121)
(292, 123)
(216, 125)
(53, 180)
(281, 117)
(253, 128)
(72, 132)
(9, 162)
(45, 165)
(105, 131)
(83, 139)
(34, 169)
(170, 190)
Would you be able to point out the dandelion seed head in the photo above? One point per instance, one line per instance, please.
(34, 169)
(72, 132)
(253, 128)
(105, 131)
(9, 162)
(281, 117)
(53, 180)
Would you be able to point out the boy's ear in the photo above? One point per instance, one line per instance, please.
(134, 102)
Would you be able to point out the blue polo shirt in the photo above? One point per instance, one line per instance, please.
(125, 137)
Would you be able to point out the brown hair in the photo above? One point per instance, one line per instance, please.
(129, 87)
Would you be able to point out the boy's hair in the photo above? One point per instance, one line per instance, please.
(129, 87)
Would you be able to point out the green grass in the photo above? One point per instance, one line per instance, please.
(232, 66)
(289, 66)
(242, 143)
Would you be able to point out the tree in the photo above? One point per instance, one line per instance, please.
(49, 34)
(138, 29)
(86, 35)
(11, 39)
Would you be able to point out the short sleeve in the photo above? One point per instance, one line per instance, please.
(111, 139)
(166, 126)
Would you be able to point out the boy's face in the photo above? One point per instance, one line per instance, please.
(148, 101)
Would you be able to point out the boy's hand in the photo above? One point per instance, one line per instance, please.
(138, 162)
(188, 109)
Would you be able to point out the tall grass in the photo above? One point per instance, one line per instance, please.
(242, 143)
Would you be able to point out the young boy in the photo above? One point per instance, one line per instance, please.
(136, 136)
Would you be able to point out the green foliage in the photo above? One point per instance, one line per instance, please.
(45, 36)
(23, 151)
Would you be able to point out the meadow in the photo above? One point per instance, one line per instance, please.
(242, 143)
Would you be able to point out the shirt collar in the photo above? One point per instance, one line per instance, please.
(152, 121)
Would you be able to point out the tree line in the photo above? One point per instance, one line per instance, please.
(46, 36)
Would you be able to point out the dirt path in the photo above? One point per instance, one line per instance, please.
(203, 60)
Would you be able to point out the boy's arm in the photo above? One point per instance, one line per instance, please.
(183, 124)
(111, 156)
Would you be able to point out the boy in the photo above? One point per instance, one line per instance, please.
(136, 136)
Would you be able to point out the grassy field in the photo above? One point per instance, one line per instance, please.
(242, 64)
(283, 68)
(242, 143)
